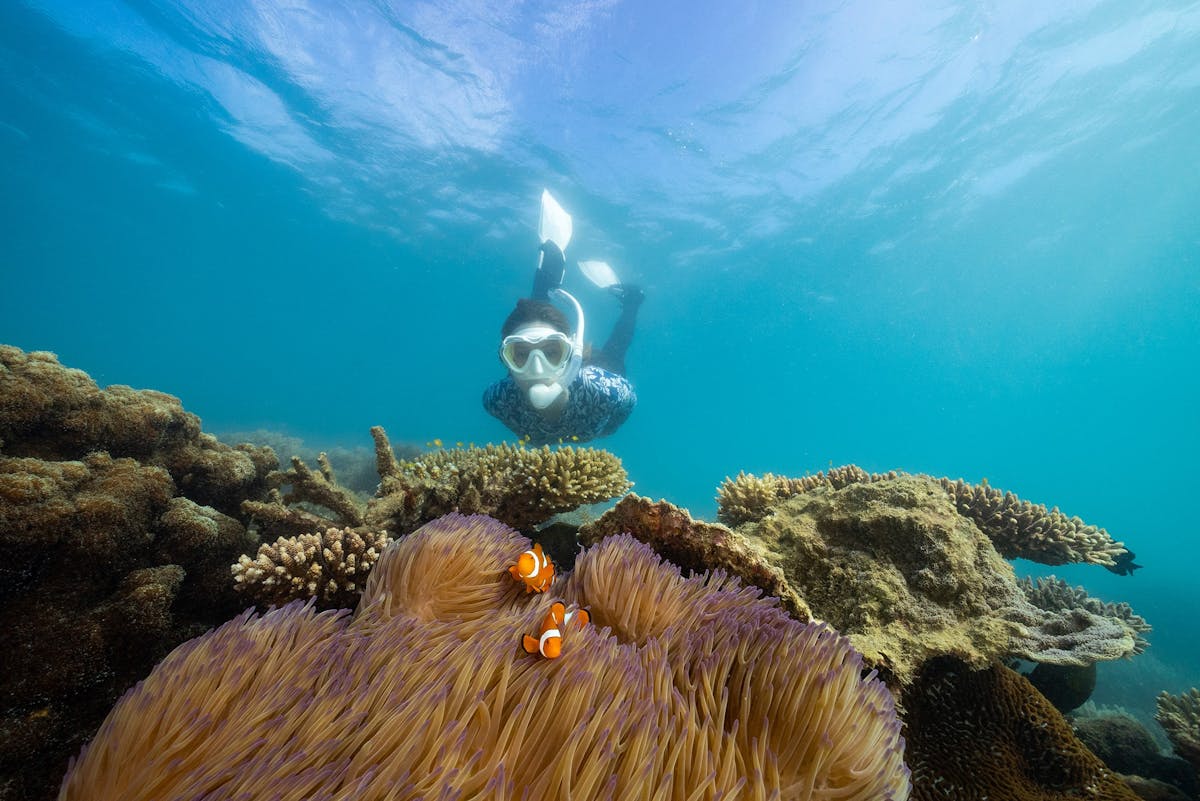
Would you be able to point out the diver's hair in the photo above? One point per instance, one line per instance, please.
(529, 310)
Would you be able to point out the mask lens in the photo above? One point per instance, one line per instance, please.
(555, 351)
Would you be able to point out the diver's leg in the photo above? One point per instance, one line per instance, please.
(612, 355)
(551, 268)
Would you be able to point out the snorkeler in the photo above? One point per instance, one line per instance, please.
(556, 389)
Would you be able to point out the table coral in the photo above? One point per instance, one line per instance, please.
(690, 687)
(1017, 528)
(987, 734)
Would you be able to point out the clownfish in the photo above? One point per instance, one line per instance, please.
(549, 644)
(535, 569)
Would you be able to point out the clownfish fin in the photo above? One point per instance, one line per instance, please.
(558, 612)
(583, 617)
(530, 644)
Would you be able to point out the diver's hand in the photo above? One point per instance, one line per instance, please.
(630, 295)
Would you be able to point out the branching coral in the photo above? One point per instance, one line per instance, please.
(1017, 528)
(988, 734)
(331, 567)
(1179, 715)
(683, 688)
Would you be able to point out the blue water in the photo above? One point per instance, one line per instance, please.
(961, 239)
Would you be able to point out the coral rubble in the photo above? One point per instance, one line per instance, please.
(689, 687)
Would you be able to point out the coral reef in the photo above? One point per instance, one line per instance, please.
(988, 734)
(427, 693)
(522, 487)
(114, 547)
(519, 486)
(889, 562)
(1017, 528)
(50, 412)
(1179, 715)
(331, 567)
(695, 546)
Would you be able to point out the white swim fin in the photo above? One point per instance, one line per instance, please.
(555, 224)
(599, 273)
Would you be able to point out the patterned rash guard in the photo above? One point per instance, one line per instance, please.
(598, 404)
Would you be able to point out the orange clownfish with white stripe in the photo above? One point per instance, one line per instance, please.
(535, 569)
(549, 644)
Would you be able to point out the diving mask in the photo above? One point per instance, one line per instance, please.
(537, 352)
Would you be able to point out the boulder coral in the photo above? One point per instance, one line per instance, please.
(987, 734)
(682, 688)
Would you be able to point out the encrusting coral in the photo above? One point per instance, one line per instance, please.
(519, 486)
(1019, 529)
(683, 688)
(331, 567)
(987, 734)
(1179, 715)
(892, 564)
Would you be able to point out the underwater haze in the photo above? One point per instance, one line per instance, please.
(958, 238)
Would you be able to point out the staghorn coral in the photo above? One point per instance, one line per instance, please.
(1017, 528)
(1179, 715)
(331, 567)
(426, 693)
(1055, 595)
(696, 546)
(987, 734)
(292, 513)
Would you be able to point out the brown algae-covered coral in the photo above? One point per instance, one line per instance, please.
(682, 688)
(1017, 528)
(1179, 715)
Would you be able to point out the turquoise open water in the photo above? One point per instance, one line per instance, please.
(960, 238)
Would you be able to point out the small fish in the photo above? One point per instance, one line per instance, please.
(549, 643)
(535, 569)
(437, 442)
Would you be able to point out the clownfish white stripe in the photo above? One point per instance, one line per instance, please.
(547, 635)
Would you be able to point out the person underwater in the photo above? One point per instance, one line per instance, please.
(556, 389)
